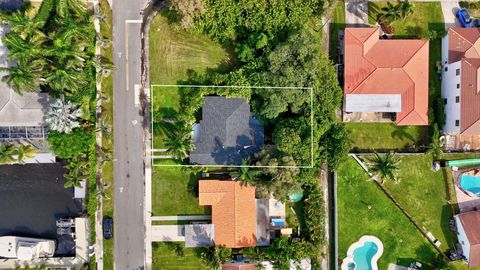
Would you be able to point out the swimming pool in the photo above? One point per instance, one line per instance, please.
(364, 254)
(471, 184)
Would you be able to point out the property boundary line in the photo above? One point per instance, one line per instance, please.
(236, 86)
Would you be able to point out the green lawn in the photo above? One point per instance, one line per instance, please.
(425, 195)
(337, 23)
(175, 52)
(385, 136)
(174, 55)
(107, 141)
(174, 191)
(170, 256)
(402, 242)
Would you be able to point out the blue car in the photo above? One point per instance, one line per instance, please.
(465, 20)
(108, 228)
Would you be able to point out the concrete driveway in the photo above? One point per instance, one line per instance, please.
(448, 9)
(356, 13)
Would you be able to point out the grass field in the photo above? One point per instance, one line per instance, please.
(174, 192)
(336, 24)
(107, 141)
(173, 256)
(425, 195)
(402, 242)
(174, 53)
(385, 136)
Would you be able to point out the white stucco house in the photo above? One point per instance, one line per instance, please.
(468, 232)
(461, 81)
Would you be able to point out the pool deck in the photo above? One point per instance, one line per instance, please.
(466, 203)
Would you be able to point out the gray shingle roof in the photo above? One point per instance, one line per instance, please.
(227, 134)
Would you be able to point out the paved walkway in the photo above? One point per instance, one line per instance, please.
(168, 233)
(356, 13)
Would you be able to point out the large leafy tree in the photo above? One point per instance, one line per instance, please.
(385, 166)
(63, 116)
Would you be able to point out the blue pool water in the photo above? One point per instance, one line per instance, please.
(362, 256)
(470, 183)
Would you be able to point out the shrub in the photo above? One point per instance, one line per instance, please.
(73, 144)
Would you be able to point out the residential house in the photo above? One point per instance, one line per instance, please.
(21, 116)
(233, 212)
(227, 132)
(461, 81)
(238, 218)
(386, 75)
(468, 232)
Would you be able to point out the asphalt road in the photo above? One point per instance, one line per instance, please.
(129, 228)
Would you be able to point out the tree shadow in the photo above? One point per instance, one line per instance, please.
(401, 132)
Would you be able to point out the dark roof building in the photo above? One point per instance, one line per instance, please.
(227, 132)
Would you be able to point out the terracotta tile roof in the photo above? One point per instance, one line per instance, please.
(233, 211)
(471, 225)
(464, 46)
(234, 266)
(380, 66)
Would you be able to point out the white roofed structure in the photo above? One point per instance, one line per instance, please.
(26, 249)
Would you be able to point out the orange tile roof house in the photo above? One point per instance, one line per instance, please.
(468, 227)
(386, 75)
(233, 212)
(461, 80)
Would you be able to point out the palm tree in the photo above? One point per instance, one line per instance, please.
(7, 152)
(64, 49)
(179, 143)
(246, 174)
(63, 116)
(77, 172)
(70, 29)
(65, 81)
(385, 166)
(25, 151)
(67, 7)
(103, 66)
(390, 13)
(20, 78)
(104, 127)
(72, 181)
(21, 23)
(24, 49)
(405, 8)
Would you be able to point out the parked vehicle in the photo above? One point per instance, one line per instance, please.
(108, 228)
(465, 20)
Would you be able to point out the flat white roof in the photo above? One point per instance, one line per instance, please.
(373, 103)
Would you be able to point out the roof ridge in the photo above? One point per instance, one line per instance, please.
(426, 41)
(460, 35)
